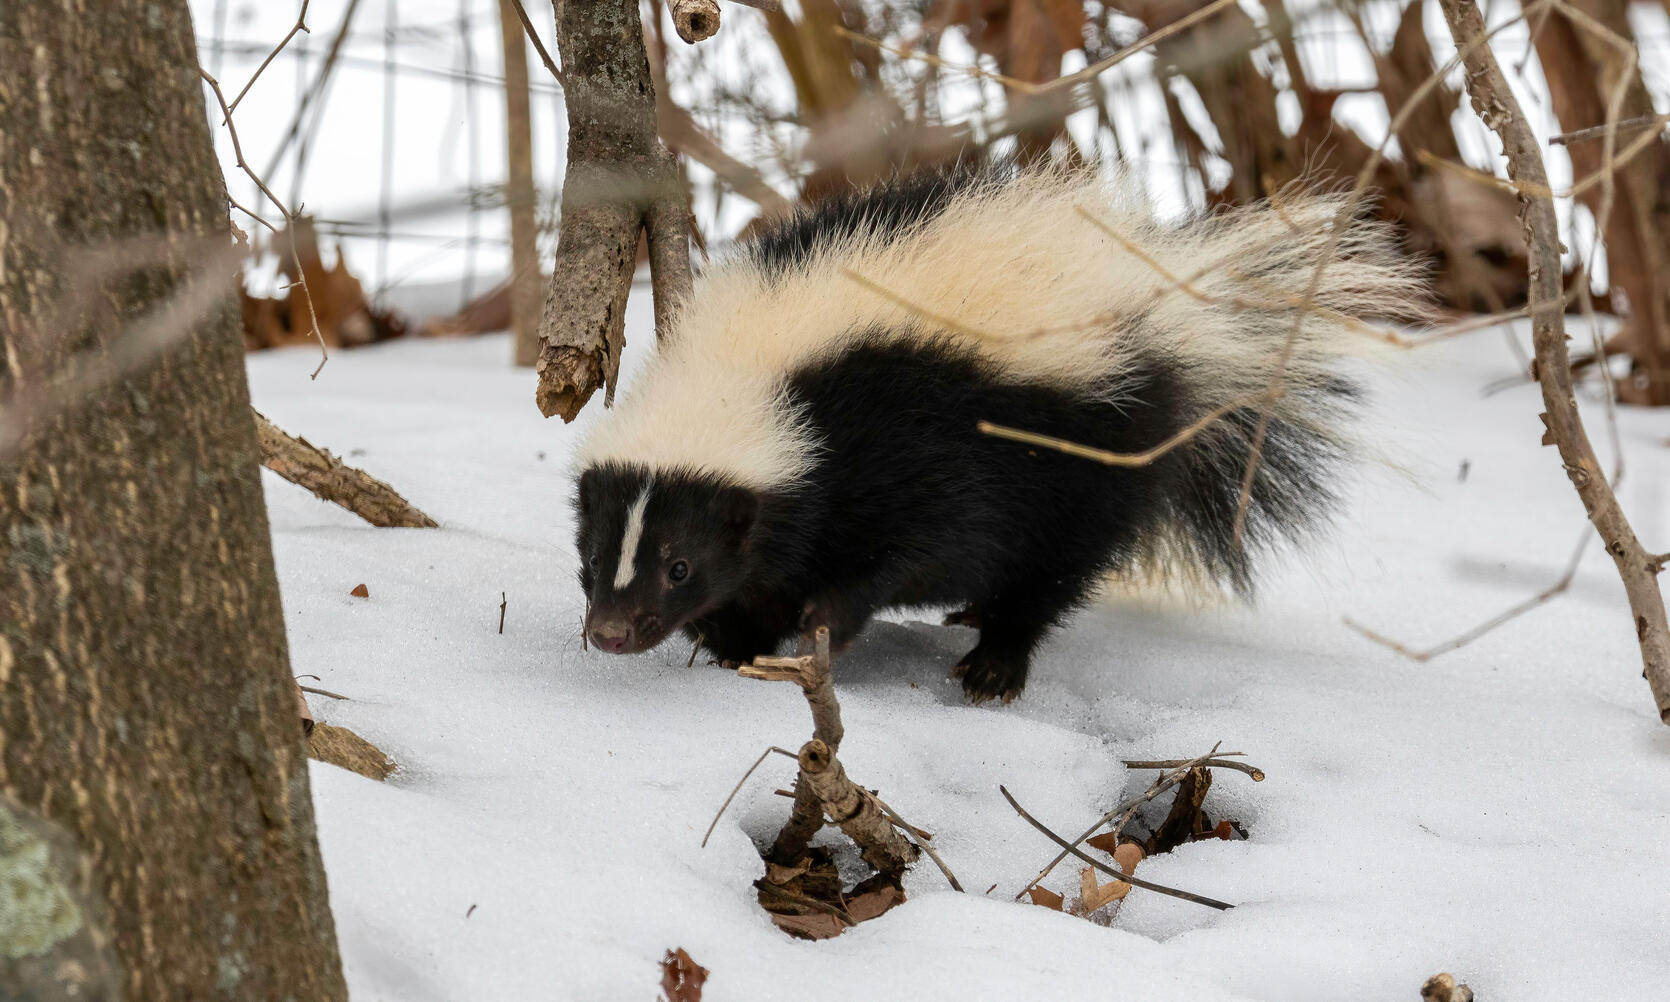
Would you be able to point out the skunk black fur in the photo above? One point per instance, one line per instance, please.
(893, 498)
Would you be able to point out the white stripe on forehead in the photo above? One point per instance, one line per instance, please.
(629, 538)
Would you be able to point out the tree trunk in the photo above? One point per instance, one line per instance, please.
(526, 297)
(148, 707)
(620, 182)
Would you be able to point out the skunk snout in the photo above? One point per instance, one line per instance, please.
(612, 635)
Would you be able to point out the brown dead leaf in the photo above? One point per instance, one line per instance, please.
(779, 874)
(1093, 895)
(1128, 856)
(1045, 897)
(875, 901)
(361, 591)
(817, 925)
(681, 977)
(1107, 842)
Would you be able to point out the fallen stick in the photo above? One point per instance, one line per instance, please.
(330, 479)
(1123, 812)
(1199, 899)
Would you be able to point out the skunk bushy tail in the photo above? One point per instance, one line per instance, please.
(1228, 335)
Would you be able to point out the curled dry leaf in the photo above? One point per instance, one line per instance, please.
(361, 591)
(1045, 897)
(1093, 895)
(681, 977)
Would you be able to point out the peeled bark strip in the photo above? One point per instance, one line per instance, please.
(1495, 103)
(147, 705)
(620, 182)
(330, 479)
(54, 930)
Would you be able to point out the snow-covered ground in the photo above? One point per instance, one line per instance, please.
(1502, 812)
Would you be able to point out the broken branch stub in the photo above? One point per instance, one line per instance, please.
(330, 479)
(696, 19)
(620, 182)
(855, 810)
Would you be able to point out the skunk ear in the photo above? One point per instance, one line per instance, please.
(737, 507)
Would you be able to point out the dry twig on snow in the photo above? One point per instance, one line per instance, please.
(1134, 881)
(330, 479)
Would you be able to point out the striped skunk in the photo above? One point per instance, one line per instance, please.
(802, 448)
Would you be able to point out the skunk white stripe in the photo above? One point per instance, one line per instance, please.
(996, 267)
(629, 539)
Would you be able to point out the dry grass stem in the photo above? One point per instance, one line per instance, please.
(1122, 459)
(738, 787)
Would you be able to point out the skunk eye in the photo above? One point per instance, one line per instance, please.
(593, 561)
(678, 572)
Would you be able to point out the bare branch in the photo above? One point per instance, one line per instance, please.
(330, 479)
(300, 25)
(289, 217)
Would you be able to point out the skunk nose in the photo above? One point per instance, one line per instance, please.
(612, 636)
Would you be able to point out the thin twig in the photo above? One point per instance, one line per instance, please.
(503, 602)
(300, 25)
(289, 217)
(539, 46)
(1468, 636)
(915, 835)
(738, 787)
(1199, 899)
(1598, 131)
(1256, 773)
(323, 692)
(1161, 783)
(1123, 459)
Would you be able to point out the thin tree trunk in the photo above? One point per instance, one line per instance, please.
(1496, 105)
(621, 181)
(526, 297)
(148, 708)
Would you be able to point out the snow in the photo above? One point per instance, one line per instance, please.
(1499, 812)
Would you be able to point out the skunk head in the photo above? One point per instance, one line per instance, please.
(658, 550)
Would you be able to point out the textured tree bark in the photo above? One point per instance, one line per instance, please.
(1582, 70)
(148, 707)
(620, 182)
(330, 479)
(1495, 103)
(525, 295)
(54, 933)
